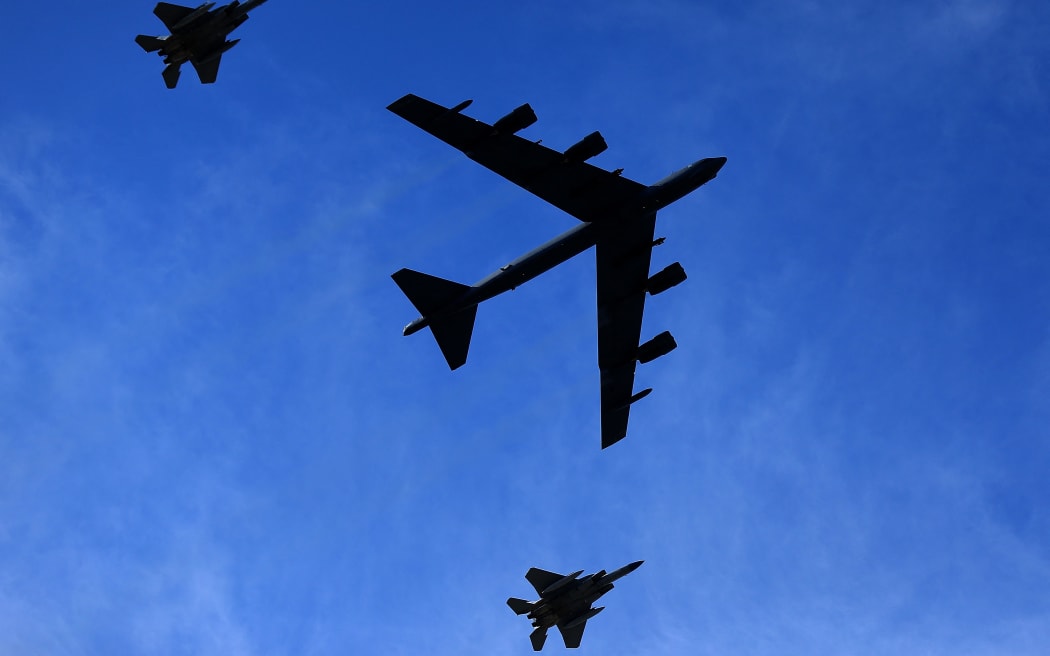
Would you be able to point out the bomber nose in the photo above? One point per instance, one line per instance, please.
(706, 169)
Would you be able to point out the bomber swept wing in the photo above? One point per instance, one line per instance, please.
(619, 219)
(562, 179)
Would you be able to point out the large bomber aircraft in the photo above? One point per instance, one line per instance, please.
(565, 602)
(618, 218)
(197, 36)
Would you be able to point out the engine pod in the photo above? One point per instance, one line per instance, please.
(656, 347)
(660, 282)
(586, 148)
(519, 119)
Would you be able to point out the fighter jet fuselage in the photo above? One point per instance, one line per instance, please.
(197, 36)
(565, 602)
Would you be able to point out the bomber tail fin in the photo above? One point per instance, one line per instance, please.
(150, 43)
(430, 294)
(520, 606)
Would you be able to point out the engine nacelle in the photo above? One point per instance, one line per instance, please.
(583, 618)
(656, 347)
(586, 148)
(218, 53)
(598, 594)
(666, 279)
(519, 119)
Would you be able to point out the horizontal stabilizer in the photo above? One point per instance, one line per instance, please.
(150, 43)
(428, 293)
(520, 606)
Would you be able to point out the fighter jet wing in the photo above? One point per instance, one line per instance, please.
(541, 579)
(573, 636)
(570, 184)
(623, 253)
(171, 14)
(209, 70)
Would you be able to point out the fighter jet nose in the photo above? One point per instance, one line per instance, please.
(716, 164)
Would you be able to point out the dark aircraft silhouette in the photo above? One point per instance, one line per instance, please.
(565, 602)
(197, 36)
(618, 217)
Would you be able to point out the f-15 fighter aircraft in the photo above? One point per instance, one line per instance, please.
(197, 36)
(565, 602)
(618, 218)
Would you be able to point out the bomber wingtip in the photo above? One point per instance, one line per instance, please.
(408, 97)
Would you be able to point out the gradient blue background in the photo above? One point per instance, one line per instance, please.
(215, 440)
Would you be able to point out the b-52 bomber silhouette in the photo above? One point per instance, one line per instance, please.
(565, 602)
(618, 218)
(197, 36)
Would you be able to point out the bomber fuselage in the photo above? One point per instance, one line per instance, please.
(681, 183)
(573, 242)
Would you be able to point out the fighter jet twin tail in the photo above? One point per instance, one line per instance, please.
(197, 36)
(618, 218)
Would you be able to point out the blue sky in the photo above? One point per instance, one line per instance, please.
(215, 440)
